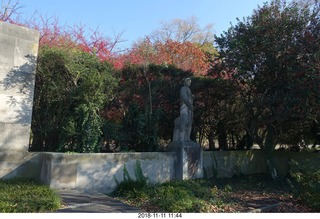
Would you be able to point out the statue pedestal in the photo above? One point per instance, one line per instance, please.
(188, 164)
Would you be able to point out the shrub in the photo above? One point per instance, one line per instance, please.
(71, 89)
(198, 187)
(173, 199)
(305, 180)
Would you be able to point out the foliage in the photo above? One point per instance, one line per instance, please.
(143, 103)
(27, 196)
(138, 173)
(198, 187)
(270, 77)
(138, 133)
(184, 55)
(268, 52)
(213, 195)
(262, 85)
(305, 179)
(216, 195)
(173, 199)
(216, 110)
(54, 35)
(112, 135)
(71, 89)
(176, 196)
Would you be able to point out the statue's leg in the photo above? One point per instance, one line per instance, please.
(176, 129)
(183, 125)
(188, 132)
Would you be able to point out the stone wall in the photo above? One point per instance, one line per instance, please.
(18, 53)
(99, 172)
(24, 164)
(229, 163)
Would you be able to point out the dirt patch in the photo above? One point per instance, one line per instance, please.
(256, 202)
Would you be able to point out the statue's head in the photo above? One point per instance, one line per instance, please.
(187, 81)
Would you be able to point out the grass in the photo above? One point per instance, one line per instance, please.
(176, 196)
(27, 196)
(201, 195)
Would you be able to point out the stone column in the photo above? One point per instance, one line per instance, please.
(18, 53)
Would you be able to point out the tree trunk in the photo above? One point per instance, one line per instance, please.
(211, 139)
(222, 136)
(268, 149)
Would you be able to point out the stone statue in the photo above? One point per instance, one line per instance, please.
(189, 161)
(183, 124)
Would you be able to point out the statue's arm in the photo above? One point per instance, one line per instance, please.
(184, 98)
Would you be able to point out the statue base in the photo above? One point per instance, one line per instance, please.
(188, 164)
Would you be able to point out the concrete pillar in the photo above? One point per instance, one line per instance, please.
(18, 53)
(189, 163)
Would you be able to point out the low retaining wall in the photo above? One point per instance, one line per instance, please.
(18, 164)
(223, 164)
(99, 172)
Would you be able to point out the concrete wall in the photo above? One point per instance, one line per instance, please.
(229, 163)
(99, 172)
(23, 164)
(18, 53)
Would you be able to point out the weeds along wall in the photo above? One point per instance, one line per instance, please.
(101, 172)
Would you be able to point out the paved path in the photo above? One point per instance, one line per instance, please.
(75, 201)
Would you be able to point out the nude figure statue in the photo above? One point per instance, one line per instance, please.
(183, 123)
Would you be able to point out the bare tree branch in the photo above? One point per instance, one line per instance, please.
(8, 10)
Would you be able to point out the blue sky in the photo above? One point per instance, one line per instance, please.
(138, 18)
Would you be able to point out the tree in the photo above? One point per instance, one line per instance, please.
(182, 43)
(215, 110)
(71, 61)
(137, 129)
(187, 56)
(271, 55)
(182, 31)
(76, 36)
(71, 89)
